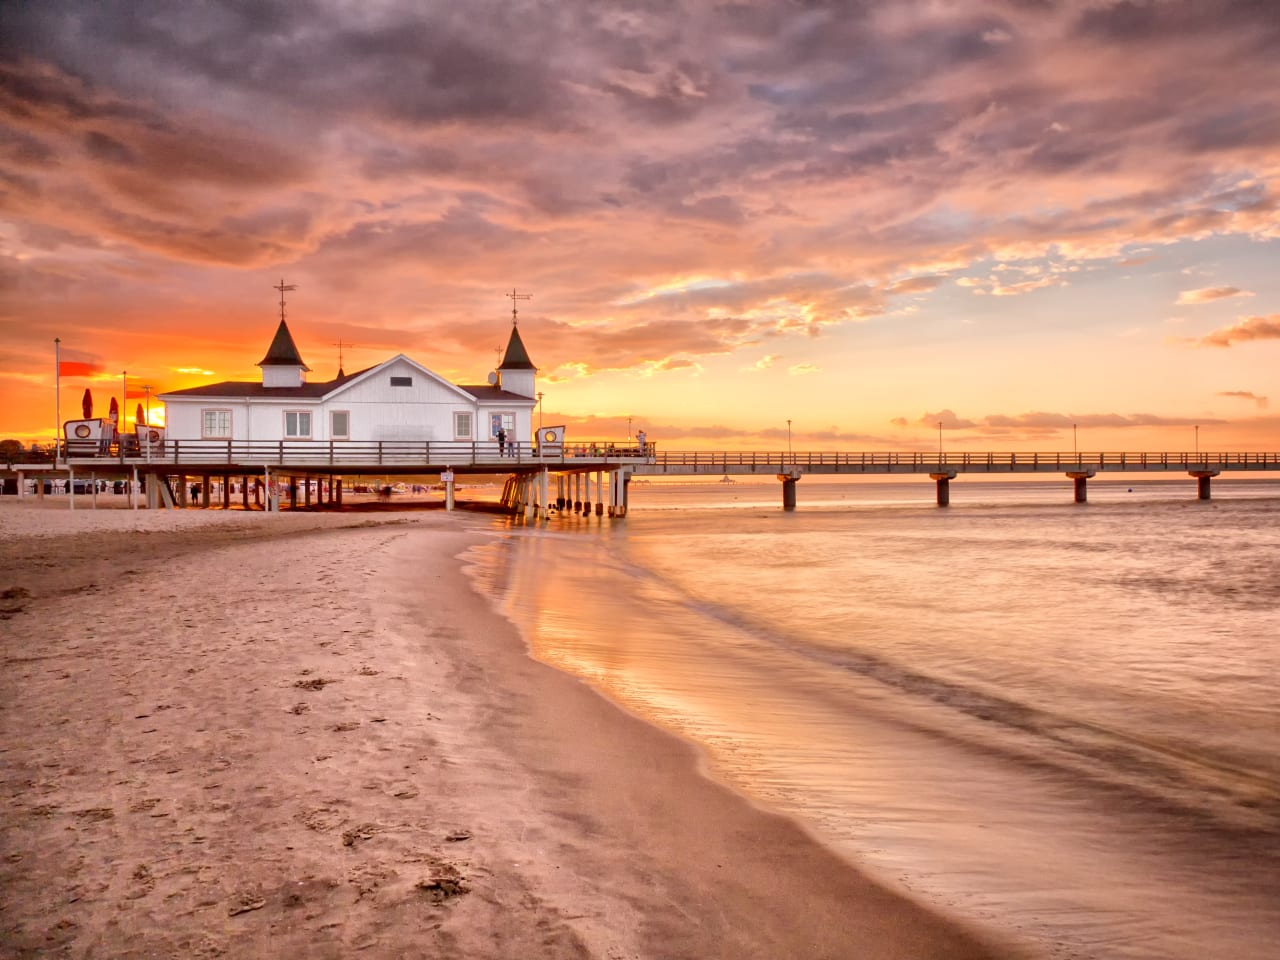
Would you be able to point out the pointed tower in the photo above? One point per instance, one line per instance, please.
(517, 374)
(283, 366)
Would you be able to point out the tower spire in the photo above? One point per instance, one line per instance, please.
(282, 287)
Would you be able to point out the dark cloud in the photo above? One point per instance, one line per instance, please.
(394, 64)
(999, 423)
(1130, 22)
(947, 419)
(1250, 125)
(1261, 402)
(108, 149)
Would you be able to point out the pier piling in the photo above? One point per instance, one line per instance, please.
(1081, 479)
(943, 481)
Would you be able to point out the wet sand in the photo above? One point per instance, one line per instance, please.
(241, 735)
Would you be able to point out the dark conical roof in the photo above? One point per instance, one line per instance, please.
(283, 352)
(516, 357)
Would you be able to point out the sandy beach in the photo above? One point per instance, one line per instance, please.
(248, 735)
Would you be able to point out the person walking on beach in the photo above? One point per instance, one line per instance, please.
(502, 441)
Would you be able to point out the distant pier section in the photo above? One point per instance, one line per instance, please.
(942, 468)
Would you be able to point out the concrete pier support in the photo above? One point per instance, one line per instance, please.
(789, 481)
(943, 481)
(599, 493)
(1202, 482)
(618, 480)
(1081, 478)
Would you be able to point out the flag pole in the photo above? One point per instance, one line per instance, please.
(57, 393)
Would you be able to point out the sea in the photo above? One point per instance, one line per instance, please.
(1058, 722)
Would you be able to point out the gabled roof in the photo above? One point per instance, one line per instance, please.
(516, 357)
(283, 352)
(255, 389)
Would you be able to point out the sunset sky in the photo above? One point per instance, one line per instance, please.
(1007, 216)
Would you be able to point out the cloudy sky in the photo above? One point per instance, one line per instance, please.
(1011, 217)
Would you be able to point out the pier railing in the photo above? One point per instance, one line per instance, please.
(346, 453)
(919, 461)
(587, 454)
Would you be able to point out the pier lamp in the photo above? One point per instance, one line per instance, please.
(539, 410)
(628, 428)
(939, 438)
(1197, 440)
(788, 438)
(1075, 447)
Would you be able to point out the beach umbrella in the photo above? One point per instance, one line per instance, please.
(114, 414)
(86, 404)
(139, 416)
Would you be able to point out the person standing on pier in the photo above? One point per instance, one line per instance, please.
(641, 437)
(502, 442)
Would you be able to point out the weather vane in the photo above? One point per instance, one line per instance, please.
(282, 287)
(515, 320)
(340, 345)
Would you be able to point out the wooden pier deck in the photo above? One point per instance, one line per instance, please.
(575, 464)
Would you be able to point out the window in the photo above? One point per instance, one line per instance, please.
(215, 424)
(339, 425)
(402, 381)
(462, 425)
(297, 424)
(502, 421)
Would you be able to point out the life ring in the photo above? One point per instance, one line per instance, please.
(82, 430)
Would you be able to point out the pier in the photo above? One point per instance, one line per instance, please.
(589, 477)
(942, 468)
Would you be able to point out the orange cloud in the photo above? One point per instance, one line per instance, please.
(1252, 328)
(1209, 294)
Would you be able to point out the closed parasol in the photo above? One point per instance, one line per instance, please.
(86, 404)
(114, 414)
(139, 416)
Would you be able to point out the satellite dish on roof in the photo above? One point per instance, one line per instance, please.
(493, 378)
